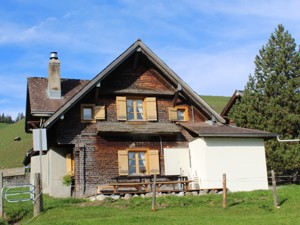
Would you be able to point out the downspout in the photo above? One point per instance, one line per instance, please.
(287, 140)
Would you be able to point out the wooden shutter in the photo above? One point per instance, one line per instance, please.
(151, 109)
(99, 112)
(121, 108)
(172, 114)
(69, 163)
(123, 162)
(153, 161)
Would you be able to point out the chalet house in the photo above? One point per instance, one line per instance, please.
(136, 117)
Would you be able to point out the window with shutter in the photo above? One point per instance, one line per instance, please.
(172, 114)
(136, 109)
(69, 163)
(138, 162)
(151, 109)
(99, 112)
(153, 161)
(123, 162)
(178, 114)
(121, 108)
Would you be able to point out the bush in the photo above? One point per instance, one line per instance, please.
(68, 179)
(3, 222)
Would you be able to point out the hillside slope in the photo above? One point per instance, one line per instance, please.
(12, 152)
(216, 102)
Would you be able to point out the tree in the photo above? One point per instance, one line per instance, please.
(271, 100)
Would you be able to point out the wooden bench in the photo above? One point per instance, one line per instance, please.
(137, 185)
(184, 183)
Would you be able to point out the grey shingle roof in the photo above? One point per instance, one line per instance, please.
(207, 130)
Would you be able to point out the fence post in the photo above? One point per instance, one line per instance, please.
(38, 195)
(154, 193)
(224, 191)
(274, 189)
(1, 197)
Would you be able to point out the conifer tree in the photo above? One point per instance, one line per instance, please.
(271, 100)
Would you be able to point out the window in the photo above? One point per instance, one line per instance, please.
(137, 162)
(136, 109)
(133, 162)
(91, 113)
(178, 114)
(87, 113)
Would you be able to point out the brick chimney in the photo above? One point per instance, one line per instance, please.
(54, 88)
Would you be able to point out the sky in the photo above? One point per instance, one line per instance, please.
(210, 44)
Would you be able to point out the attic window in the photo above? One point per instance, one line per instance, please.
(87, 113)
(91, 113)
(178, 113)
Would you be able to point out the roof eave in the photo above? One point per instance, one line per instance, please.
(238, 135)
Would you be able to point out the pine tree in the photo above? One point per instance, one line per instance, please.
(271, 100)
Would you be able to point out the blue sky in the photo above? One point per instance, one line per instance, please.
(211, 45)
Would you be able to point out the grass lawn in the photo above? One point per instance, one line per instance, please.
(242, 208)
(12, 152)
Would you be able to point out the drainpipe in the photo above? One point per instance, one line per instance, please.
(287, 140)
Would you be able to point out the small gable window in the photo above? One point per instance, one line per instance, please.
(91, 113)
(178, 113)
(87, 113)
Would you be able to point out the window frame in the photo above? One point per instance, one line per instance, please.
(152, 162)
(149, 105)
(86, 106)
(135, 109)
(173, 113)
(97, 112)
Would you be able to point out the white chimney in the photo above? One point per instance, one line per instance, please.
(54, 87)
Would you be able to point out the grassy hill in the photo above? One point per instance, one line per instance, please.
(216, 102)
(12, 152)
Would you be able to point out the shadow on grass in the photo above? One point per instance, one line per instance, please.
(282, 202)
(236, 203)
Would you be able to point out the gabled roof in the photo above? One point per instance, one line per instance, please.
(236, 95)
(138, 46)
(207, 130)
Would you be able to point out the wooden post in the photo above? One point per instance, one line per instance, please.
(274, 189)
(224, 191)
(1, 197)
(38, 195)
(154, 193)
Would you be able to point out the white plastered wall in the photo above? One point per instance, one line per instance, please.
(242, 159)
(177, 161)
(53, 171)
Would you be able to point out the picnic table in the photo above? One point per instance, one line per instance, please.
(144, 187)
